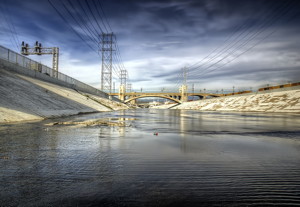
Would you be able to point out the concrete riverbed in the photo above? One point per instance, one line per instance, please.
(149, 157)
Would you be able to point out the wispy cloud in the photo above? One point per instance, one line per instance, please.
(158, 38)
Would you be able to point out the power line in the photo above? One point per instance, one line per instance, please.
(65, 20)
(242, 42)
(14, 38)
(99, 15)
(95, 32)
(87, 2)
(87, 32)
(254, 35)
(107, 22)
(83, 18)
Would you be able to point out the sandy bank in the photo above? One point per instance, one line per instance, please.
(283, 101)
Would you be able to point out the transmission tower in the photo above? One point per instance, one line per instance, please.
(129, 87)
(123, 78)
(108, 46)
(184, 74)
(39, 50)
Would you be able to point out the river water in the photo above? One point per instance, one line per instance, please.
(160, 158)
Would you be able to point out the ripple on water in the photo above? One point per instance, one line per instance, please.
(197, 158)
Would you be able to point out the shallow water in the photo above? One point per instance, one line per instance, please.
(197, 158)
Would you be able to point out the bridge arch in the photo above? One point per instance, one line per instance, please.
(152, 95)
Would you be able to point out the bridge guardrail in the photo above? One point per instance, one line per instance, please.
(24, 62)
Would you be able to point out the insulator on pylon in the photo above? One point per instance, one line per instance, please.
(36, 48)
(40, 48)
(24, 48)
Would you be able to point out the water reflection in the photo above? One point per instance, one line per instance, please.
(220, 159)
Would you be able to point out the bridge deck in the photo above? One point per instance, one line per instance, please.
(164, 94)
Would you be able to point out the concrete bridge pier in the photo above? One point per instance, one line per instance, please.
(183, 92)
(122, 92)
(133, 102)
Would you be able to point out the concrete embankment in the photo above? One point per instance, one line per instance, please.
(279, 101)
(23, 98)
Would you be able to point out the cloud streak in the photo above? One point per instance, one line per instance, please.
(158, 38)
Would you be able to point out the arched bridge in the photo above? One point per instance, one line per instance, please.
(152, 95)
(176, 97)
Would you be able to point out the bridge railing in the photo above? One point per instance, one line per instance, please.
(27, 63)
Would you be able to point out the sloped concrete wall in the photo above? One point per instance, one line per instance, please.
(77, 85)
(24, 98)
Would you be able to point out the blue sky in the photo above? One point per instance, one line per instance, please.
(223, 43)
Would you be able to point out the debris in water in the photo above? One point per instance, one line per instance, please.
(91, 123)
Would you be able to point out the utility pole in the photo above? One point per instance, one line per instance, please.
(39, 50)
(108, 46)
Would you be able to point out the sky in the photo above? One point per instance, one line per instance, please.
(221, 43)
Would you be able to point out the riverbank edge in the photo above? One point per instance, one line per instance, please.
(286, 101)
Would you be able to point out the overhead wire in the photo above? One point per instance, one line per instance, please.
(82, 21)
(261, 40)
(70, 26)
(105, 18)
(99, 15)
(243, 43)
(252, 37)
(238, 40)
(14, 38)
(89, 24)
(91, 12)
(87, 32)
(88, 21)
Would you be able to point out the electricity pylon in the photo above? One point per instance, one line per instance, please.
(123, 78)
(108, 46)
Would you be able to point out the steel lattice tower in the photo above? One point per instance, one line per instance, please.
(123, 77)
(108, 46)
(129, 87)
